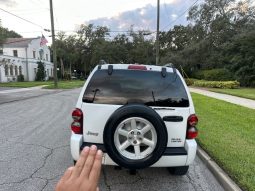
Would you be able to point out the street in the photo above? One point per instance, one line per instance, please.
(34, 150)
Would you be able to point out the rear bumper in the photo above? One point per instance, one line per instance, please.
(173, 156)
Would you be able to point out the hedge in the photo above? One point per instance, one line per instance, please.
(217, 84)
(212, 84)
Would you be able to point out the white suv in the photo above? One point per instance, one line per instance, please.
(138, 115)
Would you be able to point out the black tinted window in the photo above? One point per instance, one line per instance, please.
(136, 86)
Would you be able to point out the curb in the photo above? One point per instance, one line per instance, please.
(226, 182)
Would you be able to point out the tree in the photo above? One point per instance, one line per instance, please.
(6, 33)
(40, 74)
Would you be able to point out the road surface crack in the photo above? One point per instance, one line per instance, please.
(105, 179)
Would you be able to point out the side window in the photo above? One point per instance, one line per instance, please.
(34, 54)
(11, 70)
(6, 70)
(15, 53)
(20, 70)
(16, 70)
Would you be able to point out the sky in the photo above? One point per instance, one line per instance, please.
(118, 15)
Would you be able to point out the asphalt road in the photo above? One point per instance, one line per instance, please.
(34, 151)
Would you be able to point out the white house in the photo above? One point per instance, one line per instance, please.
(20, 56)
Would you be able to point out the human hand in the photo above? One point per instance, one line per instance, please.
(85, 174)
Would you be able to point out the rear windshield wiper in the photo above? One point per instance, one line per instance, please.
(152, 93)
(95, 92)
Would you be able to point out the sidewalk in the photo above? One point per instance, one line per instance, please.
(228, 98)
(18, 94)
(21, 89)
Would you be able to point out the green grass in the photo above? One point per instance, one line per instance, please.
(227, 133)
(50, 84)
(242, 92)
(67, 84)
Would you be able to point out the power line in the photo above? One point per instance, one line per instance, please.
(23, 19)
(179, 16)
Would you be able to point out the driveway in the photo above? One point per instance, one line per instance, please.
(34, 151)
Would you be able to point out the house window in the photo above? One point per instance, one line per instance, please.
(6, 70)
(11, 70)
(34, 54)
(16, 70)
(46, 57)
(1, 51)
(20, 70)
(41, 54)
(15, 53)
(35, 71)
(48, 72)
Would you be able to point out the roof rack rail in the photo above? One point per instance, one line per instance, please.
(110, 69)
(163, 72)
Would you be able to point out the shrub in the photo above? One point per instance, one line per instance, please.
(219, 74)
(189, 81)
(20, 78)
(40, 75)
(217, 84)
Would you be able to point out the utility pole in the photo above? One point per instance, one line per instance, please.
(157, 36)
(53, 45)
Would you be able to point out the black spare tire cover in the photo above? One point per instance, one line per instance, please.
(137, 111)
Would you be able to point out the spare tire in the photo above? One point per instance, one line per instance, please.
(135, 136)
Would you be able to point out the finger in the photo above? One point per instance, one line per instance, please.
(80, 163)
(96, 169)
(97, 189)
(89, 162)
(67, 174)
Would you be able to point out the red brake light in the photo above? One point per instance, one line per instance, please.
(77, 123)
(192, 131)
(192, 120)
(137, 67)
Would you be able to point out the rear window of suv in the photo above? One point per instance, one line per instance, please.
(136, 86)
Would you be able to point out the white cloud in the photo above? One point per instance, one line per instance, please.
(145, 17)
(9, 3)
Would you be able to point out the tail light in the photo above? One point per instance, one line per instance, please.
(137, 67)
(192, 131)
(77, 124)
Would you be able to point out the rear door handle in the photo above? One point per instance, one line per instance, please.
(173, 118)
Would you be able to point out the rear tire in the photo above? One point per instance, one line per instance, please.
(180, 170)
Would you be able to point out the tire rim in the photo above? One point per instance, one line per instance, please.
(135, 138)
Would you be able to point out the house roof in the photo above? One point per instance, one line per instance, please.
(17, 42)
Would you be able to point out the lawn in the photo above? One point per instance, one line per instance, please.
(242, 92)
(227, 133)
(50, 84)
(67, 84)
